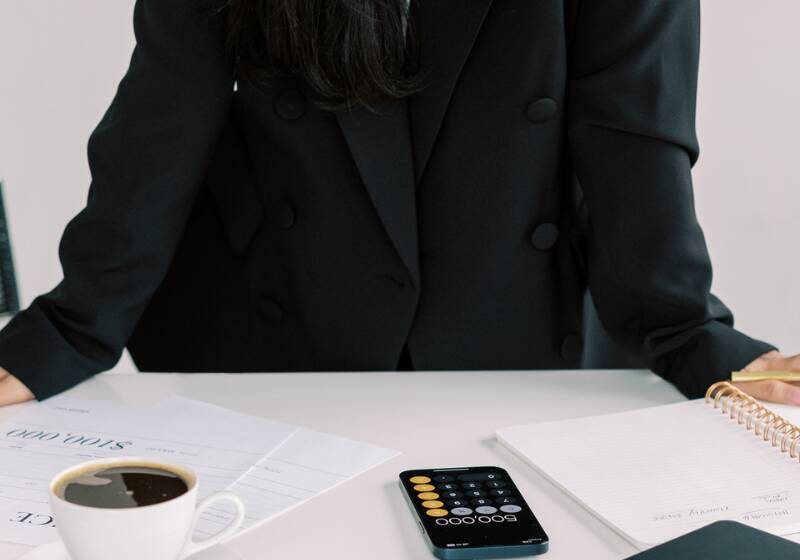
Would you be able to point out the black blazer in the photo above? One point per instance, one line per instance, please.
(247, 230)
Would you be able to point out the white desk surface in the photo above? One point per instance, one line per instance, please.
(437, 419)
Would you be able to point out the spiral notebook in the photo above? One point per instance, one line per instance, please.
(657, 473)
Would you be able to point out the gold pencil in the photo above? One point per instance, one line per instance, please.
(744, 376)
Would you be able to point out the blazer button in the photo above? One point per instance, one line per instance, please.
(571, 347)
(271, 311)
(285, 214)
(290, 105)
(542, 110)
(544, 237)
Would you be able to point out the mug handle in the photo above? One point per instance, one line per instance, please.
(192, 546)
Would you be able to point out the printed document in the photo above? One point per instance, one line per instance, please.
(272, 466)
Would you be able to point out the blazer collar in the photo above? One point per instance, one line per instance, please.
(392, 145)
(448, 30)
(380, 142)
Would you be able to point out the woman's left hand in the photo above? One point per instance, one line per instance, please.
(773, 391)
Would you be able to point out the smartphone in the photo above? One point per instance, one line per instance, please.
(472, 512)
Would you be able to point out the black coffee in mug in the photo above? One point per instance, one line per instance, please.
(122, 487)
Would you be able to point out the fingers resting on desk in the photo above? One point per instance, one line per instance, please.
(773, 391)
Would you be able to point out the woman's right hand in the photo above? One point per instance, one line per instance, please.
(12, 390)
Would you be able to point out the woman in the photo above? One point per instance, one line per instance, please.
(336, 185)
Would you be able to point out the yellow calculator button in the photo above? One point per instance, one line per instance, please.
(432, 504)
(428, 496)
(437, 512)
(420, 480)
(424, 487)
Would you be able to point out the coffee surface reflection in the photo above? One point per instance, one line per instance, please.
(123, 487)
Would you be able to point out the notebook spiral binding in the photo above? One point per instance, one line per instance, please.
(764, 423)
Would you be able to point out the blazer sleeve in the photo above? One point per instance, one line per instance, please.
(147, 157)
(631, 130)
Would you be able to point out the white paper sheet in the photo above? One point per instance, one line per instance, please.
(272, 465)
(657, 473)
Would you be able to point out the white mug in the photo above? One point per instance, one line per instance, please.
(160, 531)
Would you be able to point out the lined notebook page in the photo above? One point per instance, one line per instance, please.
(657, 473)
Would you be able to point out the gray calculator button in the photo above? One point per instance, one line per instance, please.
(486, 510)
(448, 486)
(478, 477)
(471, 485)
(460, 511)
(510, 509)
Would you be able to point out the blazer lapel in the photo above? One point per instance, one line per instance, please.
(448, 30)
(380, 143)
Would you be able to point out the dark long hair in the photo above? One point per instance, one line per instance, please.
(349, 52)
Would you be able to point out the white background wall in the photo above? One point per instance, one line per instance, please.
(61, 60)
